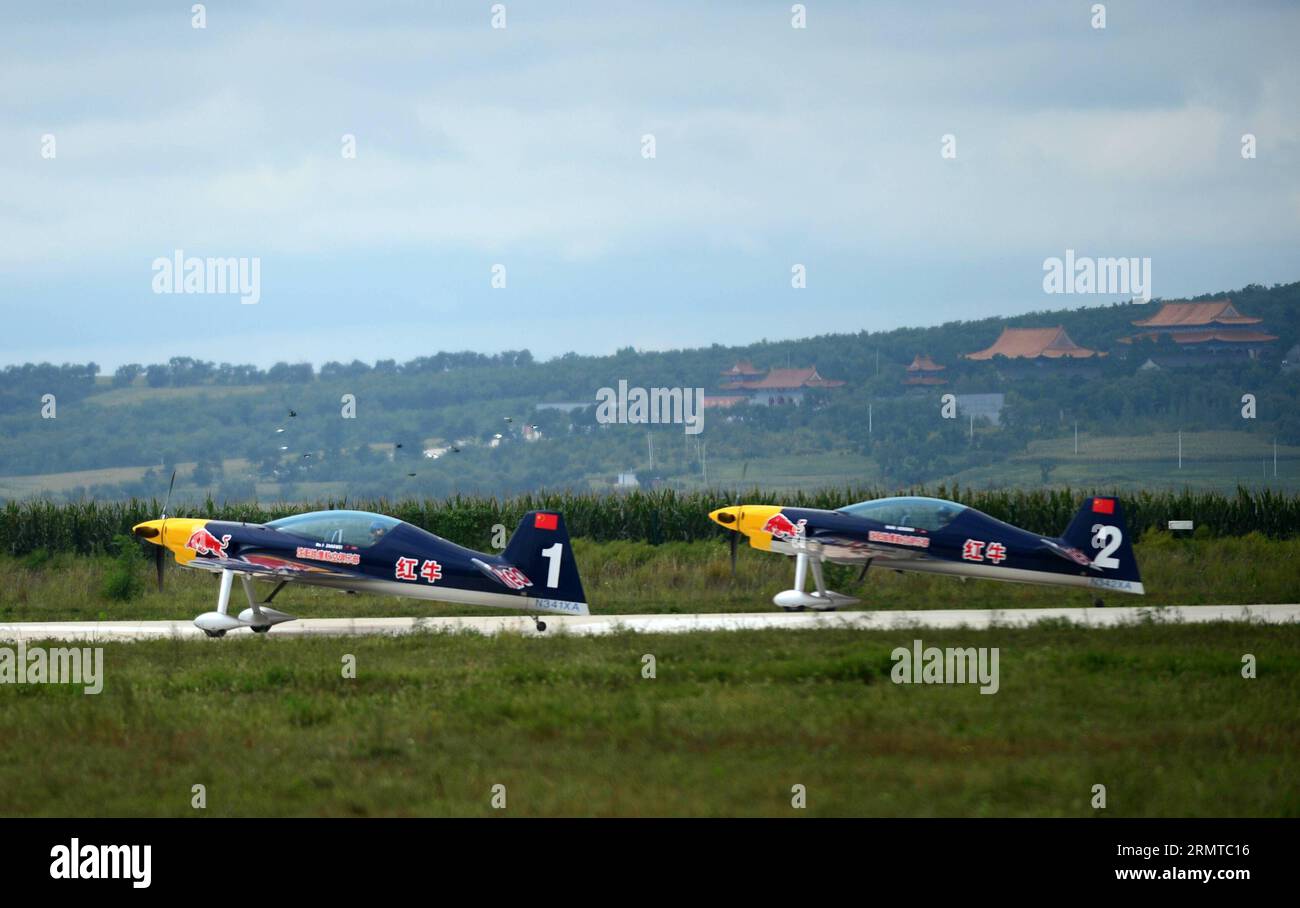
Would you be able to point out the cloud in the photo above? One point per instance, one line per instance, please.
(773, 145)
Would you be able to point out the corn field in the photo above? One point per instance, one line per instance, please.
(652, 516)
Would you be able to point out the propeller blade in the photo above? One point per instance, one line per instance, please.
(735, 535)
(168, 500)
(160, 549)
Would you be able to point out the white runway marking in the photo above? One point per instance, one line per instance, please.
(593, 625)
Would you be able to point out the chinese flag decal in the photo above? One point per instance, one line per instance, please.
(1103, 506)
(547, 521)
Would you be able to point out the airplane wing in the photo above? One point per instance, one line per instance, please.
(856, 551)
(271, 566)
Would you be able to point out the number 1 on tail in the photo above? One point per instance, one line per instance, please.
(553, 555)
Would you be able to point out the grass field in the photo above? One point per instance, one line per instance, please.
(635, 578)
(1159, 714)
(1136, 476)
(139, 394)
(780, 473)
(19, 487)
(791, 472)
(1161, 447)
(23, 486)
(1218, 461)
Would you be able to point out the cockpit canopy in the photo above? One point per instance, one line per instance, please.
(356, 528)
(908, 511)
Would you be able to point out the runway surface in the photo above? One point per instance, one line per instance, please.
(593, 625)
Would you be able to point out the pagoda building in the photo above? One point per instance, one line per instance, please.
(1035, 344)
(780, 386)
(1199, 331)
(924, 371)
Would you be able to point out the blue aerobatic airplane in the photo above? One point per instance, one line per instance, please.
(932, 535)
(358, 551)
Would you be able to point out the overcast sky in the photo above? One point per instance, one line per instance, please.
(522, 146)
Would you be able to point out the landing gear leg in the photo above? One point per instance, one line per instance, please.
(796, 600)
(822, 592)
(223, 597)
(260, 624)
(800, 580)
(259, 616)
(215, 624)
(865, 567)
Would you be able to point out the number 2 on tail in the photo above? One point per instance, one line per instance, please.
(1108, 539)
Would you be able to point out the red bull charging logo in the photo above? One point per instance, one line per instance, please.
(781, 528)
(205, 543)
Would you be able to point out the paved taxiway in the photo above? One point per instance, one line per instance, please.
(591, 625)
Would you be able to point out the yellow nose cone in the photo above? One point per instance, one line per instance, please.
(748, 519)
(150, 530)
(171, 533)
(727, 517)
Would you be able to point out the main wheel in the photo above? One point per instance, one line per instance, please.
(261, 630)
(1097, 603)
(214, 633)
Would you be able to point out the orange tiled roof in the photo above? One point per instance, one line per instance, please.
(1031, 343)
(1228, 335)
(788, 379)
(1180, 315)
(923, 363)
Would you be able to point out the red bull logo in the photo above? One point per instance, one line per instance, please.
(781, 527)
(1076, 556)
(205, 543)
(512, 577)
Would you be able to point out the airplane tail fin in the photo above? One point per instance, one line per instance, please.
(1100, 532)
(540, 548)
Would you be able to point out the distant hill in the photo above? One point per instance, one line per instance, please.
(233, 423)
